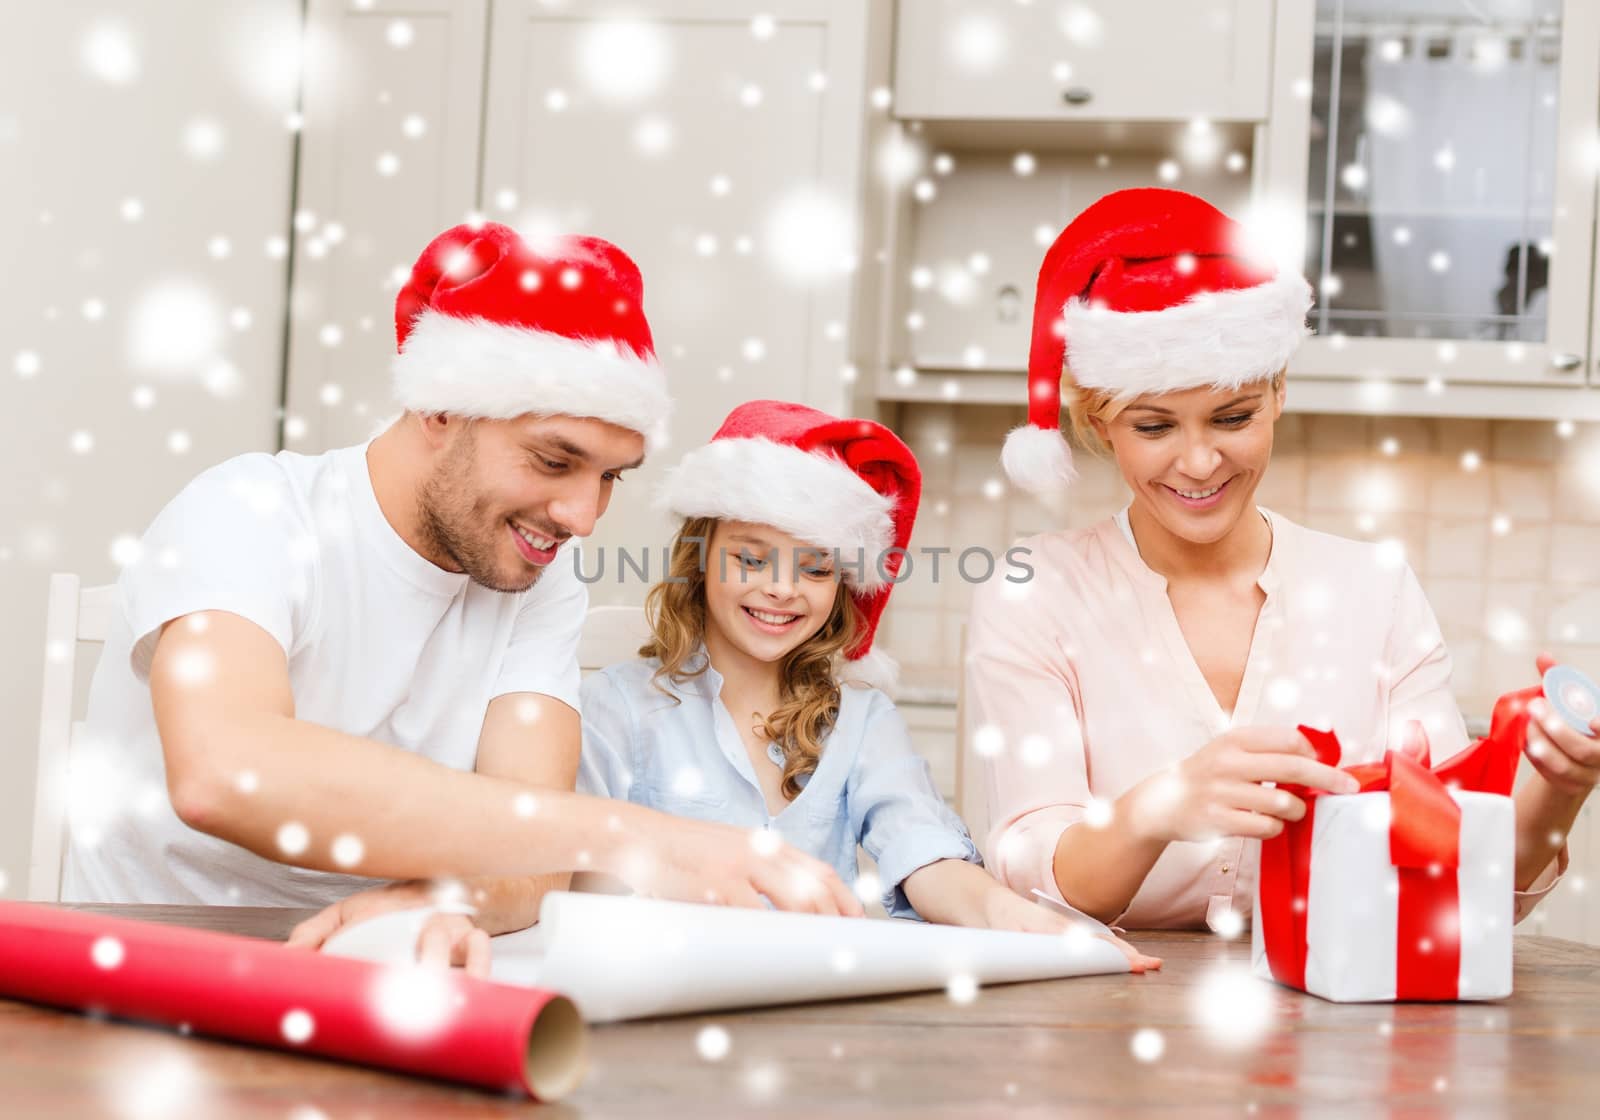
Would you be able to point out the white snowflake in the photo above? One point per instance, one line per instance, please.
(1233, 1007)
(293, 838)
(107, 953)
(624, 60)
(1148, 1044)
(298, 1026)
(712, 1043)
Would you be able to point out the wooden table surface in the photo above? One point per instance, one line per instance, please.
(1045, 1049)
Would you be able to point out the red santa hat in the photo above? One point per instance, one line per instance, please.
(491, 325)
(1148, 291)
(849, 487)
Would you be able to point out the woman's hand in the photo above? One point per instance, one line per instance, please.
(1563, 756)
(449, 939)
(1006, 909)
(1220, 790)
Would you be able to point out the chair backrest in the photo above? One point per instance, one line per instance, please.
(972, 794)
(610, 635)
(74, 614)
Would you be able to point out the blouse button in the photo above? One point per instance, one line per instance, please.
(1225, 869)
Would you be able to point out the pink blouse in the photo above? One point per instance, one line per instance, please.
(1080, 684)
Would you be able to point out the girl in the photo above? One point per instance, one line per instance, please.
(739, 710)
(1137, 700)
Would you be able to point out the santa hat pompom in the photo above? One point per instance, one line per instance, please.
(873, 669)
(1038, 460)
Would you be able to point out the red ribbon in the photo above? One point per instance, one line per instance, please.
(1424, 847)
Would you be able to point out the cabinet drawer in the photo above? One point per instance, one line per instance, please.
(1122, 60)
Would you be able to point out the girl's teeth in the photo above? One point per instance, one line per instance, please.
(1196, 495)
(773, 619)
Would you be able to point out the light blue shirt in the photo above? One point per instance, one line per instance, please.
(681, 753)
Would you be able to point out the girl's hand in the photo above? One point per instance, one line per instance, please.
(1564, 757)
(1219, 790)
(703, 861)
(1005, 909)
(449, 939)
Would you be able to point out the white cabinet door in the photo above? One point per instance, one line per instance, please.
(722, 154)
(144, 164)
(1125, 60)
(1445, 161)
(388, 159)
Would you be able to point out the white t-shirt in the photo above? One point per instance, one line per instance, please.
(381, 643)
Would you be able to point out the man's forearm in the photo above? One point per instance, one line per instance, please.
(505, 905)
(306, 795)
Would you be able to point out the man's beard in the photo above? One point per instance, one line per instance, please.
(454, 526)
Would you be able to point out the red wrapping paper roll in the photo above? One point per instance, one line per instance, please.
(427, 1022)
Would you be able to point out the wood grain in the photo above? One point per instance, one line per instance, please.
(1045, 1049)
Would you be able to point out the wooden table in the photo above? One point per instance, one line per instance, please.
(1046, 1049)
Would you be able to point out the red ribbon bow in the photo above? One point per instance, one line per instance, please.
(1424, 847)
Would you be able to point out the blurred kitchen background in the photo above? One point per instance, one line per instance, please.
(208, 205)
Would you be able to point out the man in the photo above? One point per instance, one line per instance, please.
(362, 664)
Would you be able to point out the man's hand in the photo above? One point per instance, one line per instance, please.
(449, 939)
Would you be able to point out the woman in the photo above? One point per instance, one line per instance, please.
(1137, 698)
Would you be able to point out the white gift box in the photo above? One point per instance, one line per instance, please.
(1353, 901)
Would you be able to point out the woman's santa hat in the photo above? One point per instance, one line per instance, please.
(490, 325)
(848, 487)
(1148, 291)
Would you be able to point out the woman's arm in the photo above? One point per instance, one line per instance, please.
(1219, 790)
(1099, 868)
(1566, 764)
(1566, 768)
(1021, 694)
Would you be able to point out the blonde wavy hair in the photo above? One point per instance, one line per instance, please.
(1087, 405)
(807, 678)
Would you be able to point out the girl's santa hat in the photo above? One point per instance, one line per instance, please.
(848, 487)
(1148, 291)
(490, 325)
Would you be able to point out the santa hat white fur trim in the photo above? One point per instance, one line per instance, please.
(812, 496)
(1038, 460)
(474, 367)
(1220, 339)
(874, 669)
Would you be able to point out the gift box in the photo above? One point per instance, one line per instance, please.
(1403, 890)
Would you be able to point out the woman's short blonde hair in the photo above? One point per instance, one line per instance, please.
(1087, 405)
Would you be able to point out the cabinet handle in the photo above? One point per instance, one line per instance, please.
(1077, 95)
(1565, 362)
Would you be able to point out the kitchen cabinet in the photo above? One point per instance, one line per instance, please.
(1063, 60)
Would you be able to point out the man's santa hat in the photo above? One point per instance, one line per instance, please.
(1148, 291)
(847, 487)
(490, 325)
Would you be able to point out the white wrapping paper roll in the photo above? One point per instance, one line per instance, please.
(633, 958)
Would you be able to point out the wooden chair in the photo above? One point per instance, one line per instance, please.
(610, 635)
(75, 615)
(972, 795)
